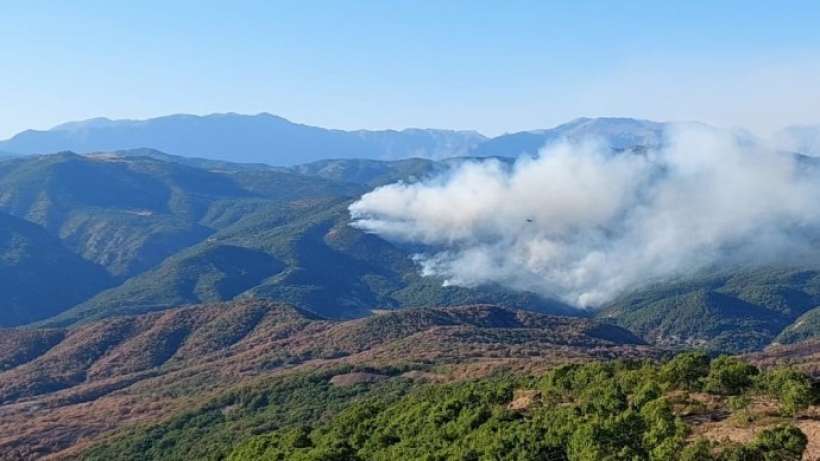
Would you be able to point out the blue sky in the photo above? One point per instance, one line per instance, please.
(491, 66)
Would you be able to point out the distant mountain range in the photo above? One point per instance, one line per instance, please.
(263, 138)
(266, 138)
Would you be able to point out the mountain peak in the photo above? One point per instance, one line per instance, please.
(616, 132)
(97, 122)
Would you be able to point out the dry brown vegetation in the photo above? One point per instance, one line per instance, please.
(713, 421)
(74, 387)
(804, 356)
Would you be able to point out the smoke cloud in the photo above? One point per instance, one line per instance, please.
(583, 223)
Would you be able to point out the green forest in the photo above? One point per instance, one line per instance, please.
(616, 410)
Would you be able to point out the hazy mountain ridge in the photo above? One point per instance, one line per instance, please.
(263, 138)
(615, 133)
(266, 138)
(273, 140)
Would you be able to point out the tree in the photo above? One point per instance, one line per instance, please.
(603, 398)
(686, 370)
(664, 432)
(792, 388)
(607, 438)
(729, 376)
(647, 392)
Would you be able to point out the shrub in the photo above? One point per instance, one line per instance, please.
(781, 443)
(738, 402)
(700, 450)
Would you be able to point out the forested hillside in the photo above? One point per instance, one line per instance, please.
(40, 277)
(737, 310)
(618, 410)
(171, 231)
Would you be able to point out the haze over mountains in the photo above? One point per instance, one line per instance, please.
(266, 138)
(261, 138)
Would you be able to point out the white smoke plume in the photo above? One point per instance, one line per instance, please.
(582, 223)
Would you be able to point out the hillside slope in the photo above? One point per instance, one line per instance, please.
(170, 231)
(804, 328)
(128, 214)
(303, 254)
(371, 173)
(109, 374)
(734, 311)
(39, 276)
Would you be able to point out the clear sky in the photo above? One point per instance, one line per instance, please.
(491, 66)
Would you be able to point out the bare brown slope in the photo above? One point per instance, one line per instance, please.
(804, 356)
(106, 375)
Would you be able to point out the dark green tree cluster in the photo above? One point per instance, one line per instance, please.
(590, 412)
(211, 431)
(731, 376)
(792, 389)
